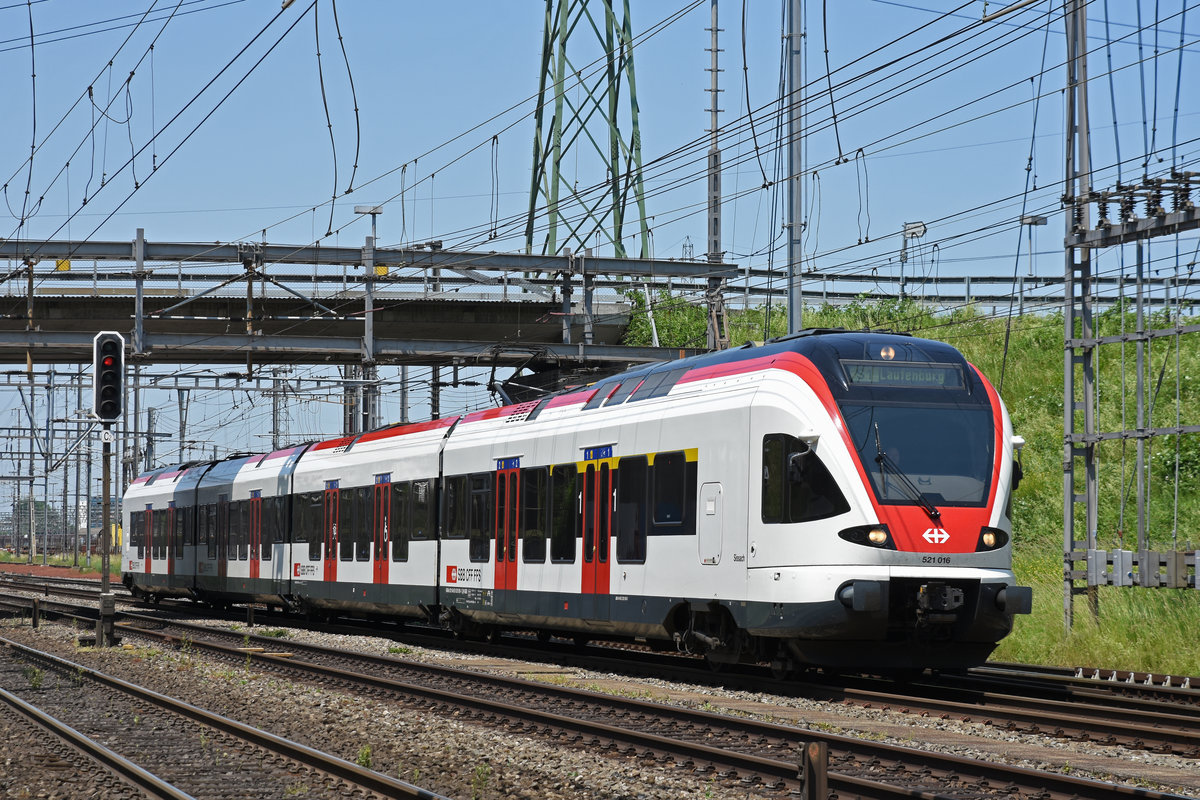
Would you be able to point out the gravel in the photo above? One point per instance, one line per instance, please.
(464, 759)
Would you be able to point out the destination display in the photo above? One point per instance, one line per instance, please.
(917, 374)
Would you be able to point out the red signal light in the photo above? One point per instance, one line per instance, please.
(109, 361)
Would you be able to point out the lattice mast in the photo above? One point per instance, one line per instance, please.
(587, 175)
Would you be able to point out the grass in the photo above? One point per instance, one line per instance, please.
(1137, 629)
(68, 562)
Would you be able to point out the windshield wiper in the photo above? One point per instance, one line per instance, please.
(914, 494)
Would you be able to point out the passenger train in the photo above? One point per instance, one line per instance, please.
(830, 499)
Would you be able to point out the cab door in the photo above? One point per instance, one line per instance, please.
(331, 531)
(597, 526)
(382, 534)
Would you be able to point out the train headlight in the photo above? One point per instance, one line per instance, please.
(869, 536)
(991, 539)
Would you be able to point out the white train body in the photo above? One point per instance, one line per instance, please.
(833, 499)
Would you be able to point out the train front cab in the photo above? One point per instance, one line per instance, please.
(903, 451)
(156, 559)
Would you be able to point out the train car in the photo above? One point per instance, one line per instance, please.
(830, 498)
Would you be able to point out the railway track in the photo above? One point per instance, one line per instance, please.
(176, 750)
(747, 751)
(1138, 716)
(1079, 711)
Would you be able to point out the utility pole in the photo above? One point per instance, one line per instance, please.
(795, 193)
(718, 337)
(108, 360)
(1077, 292)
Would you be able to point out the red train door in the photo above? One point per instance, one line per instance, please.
(331, 530)
(508, 484)
(597, 518)
(382, 501)
(255, 531)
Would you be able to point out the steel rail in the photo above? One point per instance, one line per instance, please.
(324, 762)
(942, 764)
(130, 772)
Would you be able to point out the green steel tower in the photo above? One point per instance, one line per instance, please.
(572, 203)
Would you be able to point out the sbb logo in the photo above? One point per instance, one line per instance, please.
(295, 570)
(451, 574)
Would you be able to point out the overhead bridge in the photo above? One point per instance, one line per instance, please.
(263, 303)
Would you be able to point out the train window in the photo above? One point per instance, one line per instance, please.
(630, 522)
(564, 510)
(648, 386)
(772, 479)
(501, 514)
(400, 520)
(182, 517)
(480, 532)
(668, 382)
(815, 495)
(513, 502)
(670, 474)
(161, 518)
(422, 510)
(454, 507)
(604, 495)
(223, 527)
(624, 390)
(364, 523)
(275, 525)
(347, 524)
(601, 394)
(313, 504)
(589, 519)
(236, 523)
(535, 514)
(137, 523)
(210, 527)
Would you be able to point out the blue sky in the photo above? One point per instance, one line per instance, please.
(936, 122)
(425, 73)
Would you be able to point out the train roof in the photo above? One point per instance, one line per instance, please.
(824, 346)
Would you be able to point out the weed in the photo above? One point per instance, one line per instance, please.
(35, 677)
(364, 757)
(479, 781)
(399, 651)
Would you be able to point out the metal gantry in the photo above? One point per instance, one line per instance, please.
(1142, 214)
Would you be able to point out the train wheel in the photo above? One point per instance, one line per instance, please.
(492, 636)
(543, 636)
(581, 641)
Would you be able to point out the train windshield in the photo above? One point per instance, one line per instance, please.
(943, 451)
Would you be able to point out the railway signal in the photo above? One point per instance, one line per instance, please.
(108, 375)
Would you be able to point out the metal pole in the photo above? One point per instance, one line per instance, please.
(404, 394)
(78, 433)
(368, 369)
(1141, 401)
(795, 205)
(104, 625)
(714, 151)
